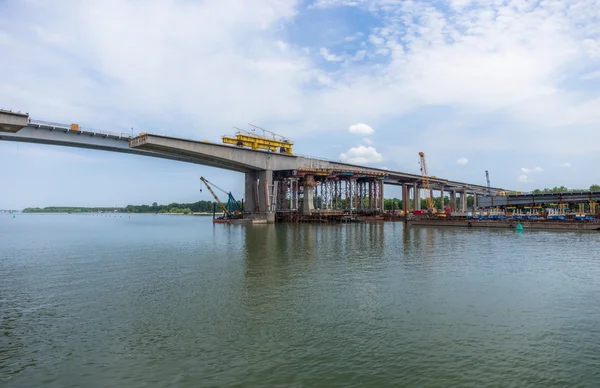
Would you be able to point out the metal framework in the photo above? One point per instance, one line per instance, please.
(334, 193)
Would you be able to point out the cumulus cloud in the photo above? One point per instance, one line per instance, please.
(462, 161)
(329, 57)
(361, 129)
(367, 141)
(361, 155)
(523, 178)
(565, 164)
(526, 170)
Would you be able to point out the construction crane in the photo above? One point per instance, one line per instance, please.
(231, 209)
(487, 177)
(269, 141)
(426, 185)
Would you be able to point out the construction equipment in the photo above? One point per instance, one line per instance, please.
(426, 185)
(593, 207)
(231, 209)
(487, 178)
(270, 142)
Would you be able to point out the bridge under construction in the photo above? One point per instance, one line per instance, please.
(279, 185)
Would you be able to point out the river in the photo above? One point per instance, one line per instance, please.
(159, 300)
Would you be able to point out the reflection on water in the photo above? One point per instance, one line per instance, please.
(168, 300)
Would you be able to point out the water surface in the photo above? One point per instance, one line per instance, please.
(158, 300)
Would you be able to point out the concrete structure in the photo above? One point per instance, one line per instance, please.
(342, 186)
(12, 121)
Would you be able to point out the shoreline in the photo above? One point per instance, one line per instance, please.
(119, 213)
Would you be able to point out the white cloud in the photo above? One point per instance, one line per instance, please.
(361, 155)
(462, 161)
(362, 129)
(523, 178)
(201, 59)
(329, 57)
(565, 164)
(104, 66)
(531, 170)
(367, 141)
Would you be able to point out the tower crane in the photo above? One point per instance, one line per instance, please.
(231, 209)
(426, 185)
(487, 177)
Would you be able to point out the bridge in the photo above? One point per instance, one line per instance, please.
(274, 182)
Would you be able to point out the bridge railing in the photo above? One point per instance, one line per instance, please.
(81, 129)
(319, 158)
(50, 124)
(114, 134)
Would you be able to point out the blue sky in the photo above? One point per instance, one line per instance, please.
(506, 86)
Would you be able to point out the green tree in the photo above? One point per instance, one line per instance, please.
(595, 188)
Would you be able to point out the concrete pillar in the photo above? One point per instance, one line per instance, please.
(308, 203)
(265, 180)
(431, 196)
(463, 201)
(251, 192)
(442, 197)
(256, 190)
(381, 191)
(453, 200)
(405, 198)
(416, 196)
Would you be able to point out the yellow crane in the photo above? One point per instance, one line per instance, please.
(231, 202)
(426, 185)
(270, 142)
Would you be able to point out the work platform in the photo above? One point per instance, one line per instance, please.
(536, 199)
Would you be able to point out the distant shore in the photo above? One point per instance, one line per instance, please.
(117, 213)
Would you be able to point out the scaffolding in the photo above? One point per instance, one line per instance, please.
(336, 195)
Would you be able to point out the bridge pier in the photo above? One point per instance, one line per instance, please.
(453, 200)
(308, 199)
(416, 196)
(258, 200)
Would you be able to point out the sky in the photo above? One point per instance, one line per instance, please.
(508, 86)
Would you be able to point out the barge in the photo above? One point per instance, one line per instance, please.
(506, 223)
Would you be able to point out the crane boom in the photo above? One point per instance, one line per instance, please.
(225, 210)
(425, 180)
(487, 177)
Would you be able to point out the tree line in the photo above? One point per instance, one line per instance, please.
(70, 209)
(563, 189)
(185, 208)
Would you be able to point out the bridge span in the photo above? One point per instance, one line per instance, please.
(274, 182)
